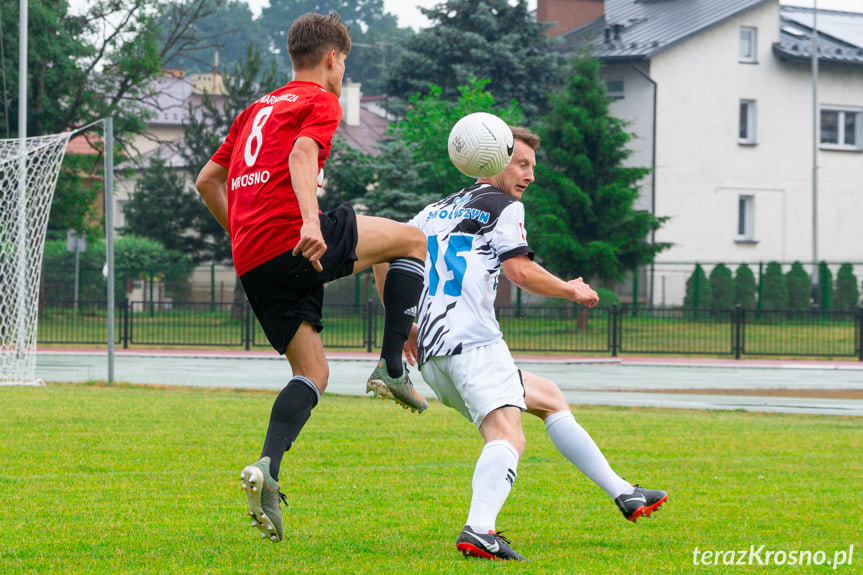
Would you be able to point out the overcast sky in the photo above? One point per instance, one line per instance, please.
(409, 15)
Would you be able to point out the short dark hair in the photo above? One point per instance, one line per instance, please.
(312, 35)
(526, 136)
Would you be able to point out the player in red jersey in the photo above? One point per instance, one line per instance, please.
(261, 185)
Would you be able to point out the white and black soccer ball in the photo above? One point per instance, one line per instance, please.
(480, 145)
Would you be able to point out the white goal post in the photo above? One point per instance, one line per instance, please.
(28, 175)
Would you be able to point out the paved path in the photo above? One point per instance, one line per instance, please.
(647, 382)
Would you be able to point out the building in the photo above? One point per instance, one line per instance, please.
(719, 96)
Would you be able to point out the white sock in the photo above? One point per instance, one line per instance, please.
(493, 477)
(579, 448)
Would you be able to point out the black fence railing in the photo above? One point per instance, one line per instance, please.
(615, 331)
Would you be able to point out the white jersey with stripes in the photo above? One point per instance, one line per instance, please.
(470, 234)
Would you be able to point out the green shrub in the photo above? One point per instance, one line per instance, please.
(847, 293)
(698, 292)
(774, 288)
(799, 287)
(722, 286)
(825, 287)
(744, 287)
(607, 298)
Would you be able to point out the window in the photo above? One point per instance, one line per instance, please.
(746, 130)
(746, 218)
(748, 44)
(614, 88)
(841, 128)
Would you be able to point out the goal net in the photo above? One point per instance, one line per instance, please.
(28, 174)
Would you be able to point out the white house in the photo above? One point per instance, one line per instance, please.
(719, 96)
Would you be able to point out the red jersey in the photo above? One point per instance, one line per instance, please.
(263, 213)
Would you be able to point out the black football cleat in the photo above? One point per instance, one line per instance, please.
(491, 545)
(640, 503)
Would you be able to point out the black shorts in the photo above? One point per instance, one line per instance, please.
(287, 290)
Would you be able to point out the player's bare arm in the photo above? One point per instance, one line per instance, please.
(211, 184)
(530, 276)
(303, 163)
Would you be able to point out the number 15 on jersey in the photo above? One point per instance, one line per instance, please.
(455, 264)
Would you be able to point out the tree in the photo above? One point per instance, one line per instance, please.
(722, 287)
(825, 287)
(374, 34)
(744, 287)
(74, 203)
(581, 205)
(413, 168)
(469, 39)
(87, 66)
(775, 290)
(847, 293)
(162, 208)
(699, 294)
(226, 30)
(799, 287)
(349, 173)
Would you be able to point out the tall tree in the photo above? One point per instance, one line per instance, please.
(162, 208)
(226, 32)
(413, 167)
(583, 222)
(85, 66)
(477, 39)
(374, 34)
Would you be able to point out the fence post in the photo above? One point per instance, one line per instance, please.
(125, 329)
(247, 324)
(738, 331)
(860, 334)
(614, 343)
(370, 330)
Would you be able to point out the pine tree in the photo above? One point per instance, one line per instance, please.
(825, 287)
(581, 205)
(699, 294)
(775, 289)
(799, 287)
(722, 287)
(744, 287)
(847, 293)
(492, 39)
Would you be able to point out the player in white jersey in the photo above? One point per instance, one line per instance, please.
(472, 235)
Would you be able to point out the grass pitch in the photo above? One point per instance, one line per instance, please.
(133, 479)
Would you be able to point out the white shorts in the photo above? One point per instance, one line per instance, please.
(476, 382)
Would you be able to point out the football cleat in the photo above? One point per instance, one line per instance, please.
(263, 497)
(640, 503)
(491, 545)
(401, 390)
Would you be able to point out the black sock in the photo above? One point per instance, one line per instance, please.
(291, 410)
(402, 291)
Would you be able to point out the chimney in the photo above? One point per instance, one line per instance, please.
(350, 102)
(568, 14)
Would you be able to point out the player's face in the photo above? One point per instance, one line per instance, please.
(335, 71)
(518, 175)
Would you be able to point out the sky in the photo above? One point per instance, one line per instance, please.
(409, 15)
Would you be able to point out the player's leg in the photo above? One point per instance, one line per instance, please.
(404, 247)
(493, 479)
(545, 400)
(291, 410)
(492, 395)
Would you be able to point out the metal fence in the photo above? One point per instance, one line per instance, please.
(615, 331)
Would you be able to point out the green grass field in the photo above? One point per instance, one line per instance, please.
(133, 479)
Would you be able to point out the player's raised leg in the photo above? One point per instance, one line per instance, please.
(546, 401)
(404, 248)
(289, 414)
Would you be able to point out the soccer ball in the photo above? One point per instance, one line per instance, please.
(480, 145)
